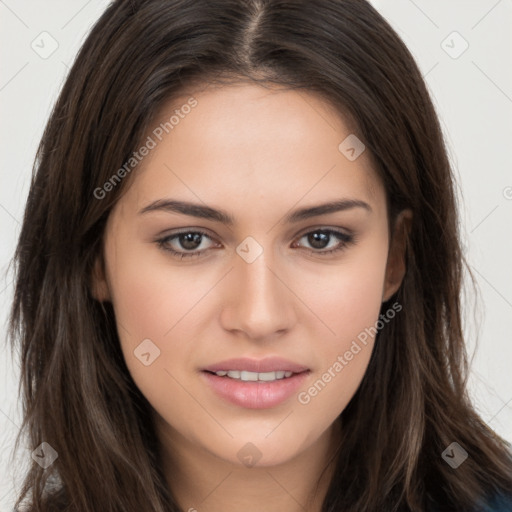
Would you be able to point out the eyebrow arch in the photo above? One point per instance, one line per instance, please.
(206, 212)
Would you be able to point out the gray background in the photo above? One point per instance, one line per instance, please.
(472, 90)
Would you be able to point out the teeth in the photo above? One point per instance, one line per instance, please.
(271, 375)
(254, 376)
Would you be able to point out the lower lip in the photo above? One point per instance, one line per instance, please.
(255, 394)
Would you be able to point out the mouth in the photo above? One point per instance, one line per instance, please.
(255, 384)
(247, 376)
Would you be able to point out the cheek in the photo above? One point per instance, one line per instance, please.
(152, 322)
(157, 301)
(348, 302)
(153, 298)
(348, 297)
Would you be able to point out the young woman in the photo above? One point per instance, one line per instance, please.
(239, 273)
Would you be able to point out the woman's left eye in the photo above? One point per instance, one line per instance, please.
(320, 239)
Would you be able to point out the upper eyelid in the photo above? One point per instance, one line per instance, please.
(343, 231)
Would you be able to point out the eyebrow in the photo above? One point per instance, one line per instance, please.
(217, 215)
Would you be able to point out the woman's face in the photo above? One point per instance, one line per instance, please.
(283, 287)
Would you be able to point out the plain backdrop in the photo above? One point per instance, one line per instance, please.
(464, 49)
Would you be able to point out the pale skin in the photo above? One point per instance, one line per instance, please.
(257, 154)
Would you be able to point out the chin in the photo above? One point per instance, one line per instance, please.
(262, 453)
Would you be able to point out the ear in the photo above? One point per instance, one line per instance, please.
(396, 267)
(99, 285)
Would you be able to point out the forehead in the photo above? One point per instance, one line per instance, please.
(252, 141)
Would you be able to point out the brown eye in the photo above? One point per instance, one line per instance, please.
(190, 241)
(184, 244)
(330, 239)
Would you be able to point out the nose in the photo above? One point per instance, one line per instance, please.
(258, 300)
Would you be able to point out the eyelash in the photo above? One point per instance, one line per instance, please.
(345, 240)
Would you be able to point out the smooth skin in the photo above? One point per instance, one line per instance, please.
(258, 154)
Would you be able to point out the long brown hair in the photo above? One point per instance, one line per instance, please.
(78, 395)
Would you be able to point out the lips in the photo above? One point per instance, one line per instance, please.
(252, 393)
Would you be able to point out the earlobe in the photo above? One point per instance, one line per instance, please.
(396, 264)
(98, 283)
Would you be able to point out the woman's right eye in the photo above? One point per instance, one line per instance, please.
(183, 243)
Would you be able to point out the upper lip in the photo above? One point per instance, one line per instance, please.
(270, 364)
